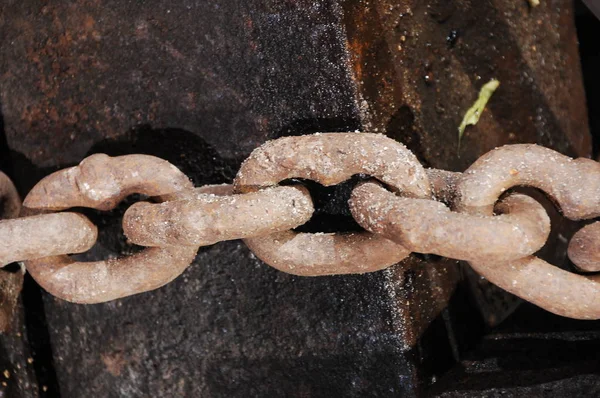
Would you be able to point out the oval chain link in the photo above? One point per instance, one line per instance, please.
(572, 183)
(101, 182)
(427, 226)
(330, 158)
(212, 214)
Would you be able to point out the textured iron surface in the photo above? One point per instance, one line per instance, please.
(419, 66)
(533, 354)
(235, 72)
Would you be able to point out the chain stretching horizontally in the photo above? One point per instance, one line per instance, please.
(470, 216)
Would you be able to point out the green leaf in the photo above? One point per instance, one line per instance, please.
(474, 112)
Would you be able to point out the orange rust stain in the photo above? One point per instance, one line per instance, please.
(356, 49)
(114, 362)
(89, 23)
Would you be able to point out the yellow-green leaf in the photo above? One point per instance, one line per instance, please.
(474, 112)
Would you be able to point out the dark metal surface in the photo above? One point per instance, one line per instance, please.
(533, 354)
(234, 73)
(202, 83)
(416, 84)
(594, 6)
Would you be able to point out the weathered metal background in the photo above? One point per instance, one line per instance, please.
(202, 83)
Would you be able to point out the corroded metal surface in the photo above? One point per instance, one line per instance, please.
(76, 74)
(101, 182)
(572, 183)
(100, 281)
(11, 283)
(331, 158)
(418, 66)
(554, 289)
(427, 226)
(326, 254)
(443, 184)
(204, 216)
(45, 235)
(410, 218)
(584, 248)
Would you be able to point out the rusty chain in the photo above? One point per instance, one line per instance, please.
(10, 282)
(471, 216)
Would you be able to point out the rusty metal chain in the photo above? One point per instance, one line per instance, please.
(470, 216)
(330, 159)
(10, 282)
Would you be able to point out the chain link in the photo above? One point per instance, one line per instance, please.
(10, 282)
(574, 184)
(212, 214)
(330, 158)
(101, 182)
(465, 216)
(428, 226)
(583, 248)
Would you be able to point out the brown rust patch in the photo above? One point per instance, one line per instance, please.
(431, 58)
(114, 362)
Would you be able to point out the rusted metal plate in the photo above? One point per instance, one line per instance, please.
(418, 66)
(75, 73)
